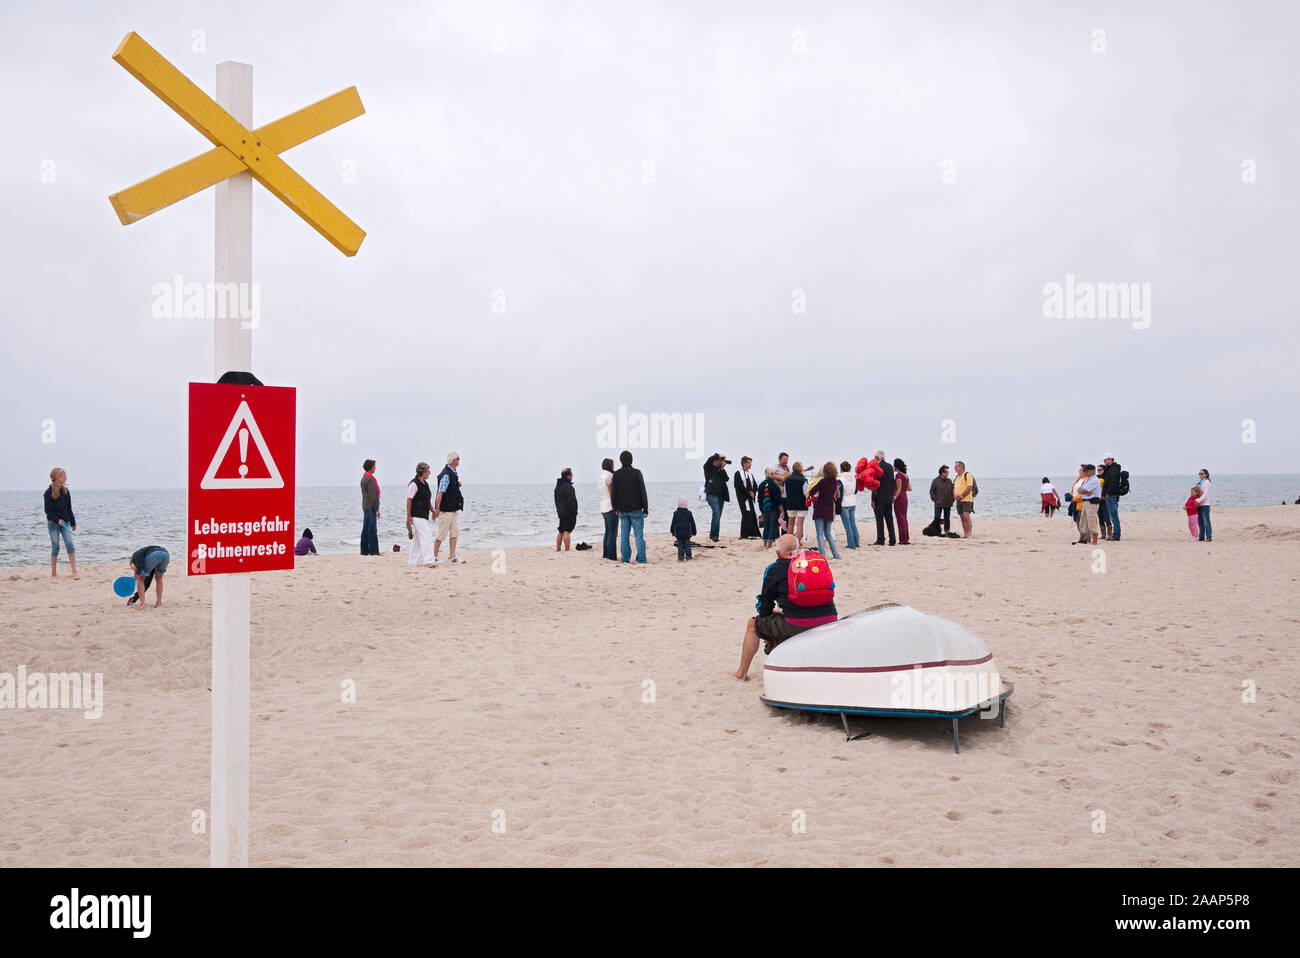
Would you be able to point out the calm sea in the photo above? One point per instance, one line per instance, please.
(114, 523)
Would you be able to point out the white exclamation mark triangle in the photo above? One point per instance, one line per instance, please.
(243, 425)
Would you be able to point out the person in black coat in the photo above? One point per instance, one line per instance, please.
(628, 496)
(682, 528)
(566, 507)
(1110, 484)
(715, 490)
(746, 493)
(882, 500)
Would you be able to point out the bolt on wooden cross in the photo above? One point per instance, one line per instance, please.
(236, 149)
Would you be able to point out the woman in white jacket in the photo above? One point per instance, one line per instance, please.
(607, 513)
(849, 505)
(1203, 507)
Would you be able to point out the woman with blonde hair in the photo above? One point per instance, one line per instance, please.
(60, 520)
(796, 505)
(769, 502)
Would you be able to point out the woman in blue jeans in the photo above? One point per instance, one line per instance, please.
(822, 501)
(60, 521)
(716, 491)
(769, 503)
(609, 544)
(849, 504)
(369, 510)
(1203, 507)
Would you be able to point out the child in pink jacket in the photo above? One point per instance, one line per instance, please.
(1193, 524)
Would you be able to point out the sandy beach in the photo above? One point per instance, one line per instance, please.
(512, 690)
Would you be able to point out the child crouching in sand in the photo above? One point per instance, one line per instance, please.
(1193, 523)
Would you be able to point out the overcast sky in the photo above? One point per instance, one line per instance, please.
(649, 186)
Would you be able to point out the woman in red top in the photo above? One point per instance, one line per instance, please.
(902, 486)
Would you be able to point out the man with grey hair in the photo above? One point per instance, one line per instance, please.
(882, 500)
(771, 625)
(447, 507)
(418, 527)
(1089, 500)
(964, 491)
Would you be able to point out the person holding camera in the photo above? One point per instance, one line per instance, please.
(716, 491)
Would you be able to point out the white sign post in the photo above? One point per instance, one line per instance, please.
(232, 348)
(240, 154)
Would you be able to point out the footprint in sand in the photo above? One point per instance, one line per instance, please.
(955, 816)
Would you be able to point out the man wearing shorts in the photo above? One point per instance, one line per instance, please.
(447, 506)
(775, 627)
(963, 490)
(148, 565)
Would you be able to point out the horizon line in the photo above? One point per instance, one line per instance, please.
(1151, 475)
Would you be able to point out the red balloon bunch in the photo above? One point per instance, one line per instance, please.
(868, 473)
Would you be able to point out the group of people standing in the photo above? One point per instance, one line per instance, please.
(1094, 500)
(946, 492)
(1095, 496)
(624, 506)
(783, 499)
(426, 505)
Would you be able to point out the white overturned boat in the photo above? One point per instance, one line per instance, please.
(889, 660)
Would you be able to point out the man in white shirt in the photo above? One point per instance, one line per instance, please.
(1090, 490)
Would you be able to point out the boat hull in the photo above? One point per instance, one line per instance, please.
(887, 660)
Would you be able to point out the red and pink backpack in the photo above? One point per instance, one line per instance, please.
(809, 578)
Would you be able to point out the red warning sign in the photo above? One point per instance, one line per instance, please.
(241, 469)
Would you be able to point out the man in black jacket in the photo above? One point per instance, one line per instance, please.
(746, 486)
(882, 500)
(566, 507)
(628, 496)
(1110, 487)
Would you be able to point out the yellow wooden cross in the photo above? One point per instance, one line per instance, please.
(236, 149)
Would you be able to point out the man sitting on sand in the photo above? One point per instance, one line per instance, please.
(775, 627)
